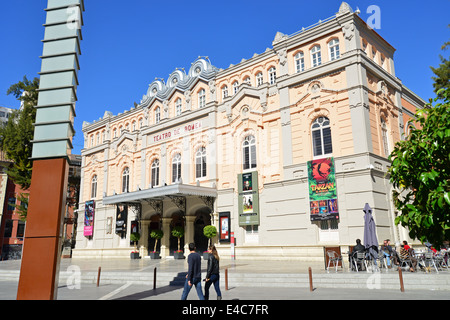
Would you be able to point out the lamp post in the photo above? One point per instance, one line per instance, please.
(52, 145)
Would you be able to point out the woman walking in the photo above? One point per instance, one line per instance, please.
(212, 273)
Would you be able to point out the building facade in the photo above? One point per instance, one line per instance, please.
(239, 148)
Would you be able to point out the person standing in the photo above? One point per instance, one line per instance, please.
(194, 276)
(212, 273)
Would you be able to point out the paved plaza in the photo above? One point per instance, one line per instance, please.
(123, 279)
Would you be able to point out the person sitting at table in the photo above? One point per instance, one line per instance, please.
(406, 255)
(387, 251)
(405, 244)
(358, 248)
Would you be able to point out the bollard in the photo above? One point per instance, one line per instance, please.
(154, 279)
(226, 278)
(310, 280)
(402, 288)
(98, 275)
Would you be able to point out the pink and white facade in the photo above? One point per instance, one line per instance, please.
(176, 158)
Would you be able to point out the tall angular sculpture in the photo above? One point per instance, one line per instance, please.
(51, 146)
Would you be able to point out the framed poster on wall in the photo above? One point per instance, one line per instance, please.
(224, 226)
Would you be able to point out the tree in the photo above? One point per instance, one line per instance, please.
(178, 232)
(156, 234)
(442, 79)
(420, 172)
(210, 232)
(16, 136)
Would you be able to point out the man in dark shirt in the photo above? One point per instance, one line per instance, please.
(194, 276)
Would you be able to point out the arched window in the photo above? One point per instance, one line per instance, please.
(299, 62)
(94, 187)
(126, 180)
(157, 114)
(249, 152)
(272, 75)
(384, 137)
(202, 98)
(200, 162)
(333, 47)
(176, 167)
(155, 172)
(247, 80)
(134, 126)
(321, 137)
(235, 87)
(259, 79)
(178, 107)
(316, 56)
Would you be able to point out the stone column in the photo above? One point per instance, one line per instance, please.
(188, 232)
(165, 241)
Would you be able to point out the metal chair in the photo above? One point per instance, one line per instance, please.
(359, 260)
(382, 259)
(428, 259)
(439, 259)
(334, 258)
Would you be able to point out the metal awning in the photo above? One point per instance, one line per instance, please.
(160, 193)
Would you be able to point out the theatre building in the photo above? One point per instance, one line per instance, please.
(282, 149)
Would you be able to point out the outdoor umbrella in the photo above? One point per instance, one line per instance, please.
(370, 235)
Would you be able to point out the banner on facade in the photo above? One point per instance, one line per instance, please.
(89, 212)
(248, 198)
(322, 189)
(121, 220)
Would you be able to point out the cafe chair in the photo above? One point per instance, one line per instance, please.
(359, 261)
(334, 258)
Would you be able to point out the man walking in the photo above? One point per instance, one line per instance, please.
(194, 276)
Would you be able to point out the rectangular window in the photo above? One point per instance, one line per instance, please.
(8, 229)
(20, 229)
(155, 176)
(176, 172)
(327, 145)
(317, 143)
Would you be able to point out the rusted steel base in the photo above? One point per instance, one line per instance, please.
(42, 246)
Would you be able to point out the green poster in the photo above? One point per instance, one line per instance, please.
(322, 189)
(248, 198)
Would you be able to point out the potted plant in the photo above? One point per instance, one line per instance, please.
(134, 237)
(209, 232)
(178, 232)
(156, 234)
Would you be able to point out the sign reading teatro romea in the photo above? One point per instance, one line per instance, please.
(176, 132)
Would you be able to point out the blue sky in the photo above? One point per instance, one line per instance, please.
(127, 44)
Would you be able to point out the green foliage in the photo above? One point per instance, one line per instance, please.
(135, 236)
(442, 79)
(420, 172)
(22, 207)
(210, 231)
(157, 234)
(178, 232)
(16, 136)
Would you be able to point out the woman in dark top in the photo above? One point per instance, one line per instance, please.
(212, 273)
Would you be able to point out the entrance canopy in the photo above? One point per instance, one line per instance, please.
(159, 193)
